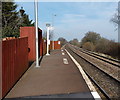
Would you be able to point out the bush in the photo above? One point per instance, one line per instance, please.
(113, 49)
(94, 42)
(88, 46)
(108, 47)
(102, 45)
(92, 37)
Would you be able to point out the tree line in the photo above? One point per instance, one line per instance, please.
(92, 41)
(12, 19)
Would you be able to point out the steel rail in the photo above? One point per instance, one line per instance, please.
(98, 86)
(95, 66)
(93, 55)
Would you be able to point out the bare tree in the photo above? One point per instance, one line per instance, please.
(116, 17)
(92, 37)
(116, 20)
(50, 35)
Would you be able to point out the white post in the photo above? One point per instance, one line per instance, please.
(36, 30)
(48, 29)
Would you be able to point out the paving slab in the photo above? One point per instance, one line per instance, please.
(51, 79)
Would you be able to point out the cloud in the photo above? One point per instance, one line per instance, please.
(87, 17)
(78, 29)
(76, 25)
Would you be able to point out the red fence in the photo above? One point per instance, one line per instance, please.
(30, 33)
(15, 56)
(55, 45)
(13, 64)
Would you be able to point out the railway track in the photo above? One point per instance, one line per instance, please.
(112, 61)
(105, 66)
(108, 84)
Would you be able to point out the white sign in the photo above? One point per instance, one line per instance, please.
(49, 42)
(44, 40)
(58, 42)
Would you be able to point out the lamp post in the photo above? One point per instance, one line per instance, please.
(53, 15)
(36, 30)
(48, 30)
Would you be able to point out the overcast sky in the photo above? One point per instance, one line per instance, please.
(74, 19)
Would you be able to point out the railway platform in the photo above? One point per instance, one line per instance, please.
(57, 77)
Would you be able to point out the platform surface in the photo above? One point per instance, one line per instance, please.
(56, 78)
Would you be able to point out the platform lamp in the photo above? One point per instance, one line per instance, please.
(53, 15)
(48, 41)
(36, 30)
